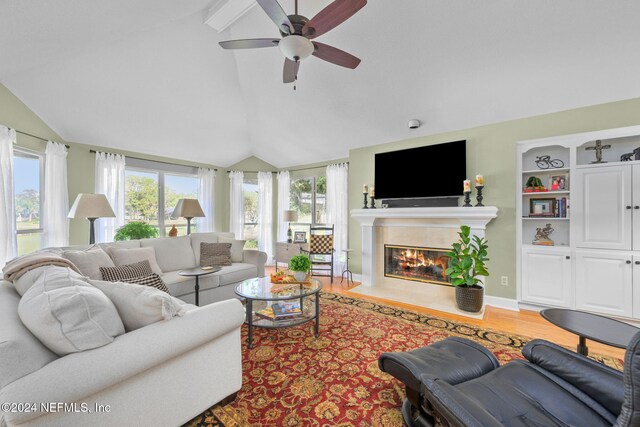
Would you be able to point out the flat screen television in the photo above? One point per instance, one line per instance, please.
(430, 171)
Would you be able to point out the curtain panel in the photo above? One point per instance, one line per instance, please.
(236, 204)
(110, 180)
(338, 210)
(206, 196)
(284, 194)
(265, 214)
(8, 238)
(55, 222)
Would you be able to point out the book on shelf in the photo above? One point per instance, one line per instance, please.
(543, 243)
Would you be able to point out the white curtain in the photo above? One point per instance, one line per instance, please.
(206, 196)
(265, 214)
(110, 182)
(284, 194)
(56, 197)
(338, 209)
(8, 242)
(236, 204)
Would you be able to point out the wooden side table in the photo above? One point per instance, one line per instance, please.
(284, 251)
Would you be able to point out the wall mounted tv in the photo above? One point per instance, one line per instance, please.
(431, 171)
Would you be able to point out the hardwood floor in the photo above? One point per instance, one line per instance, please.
(524, 322)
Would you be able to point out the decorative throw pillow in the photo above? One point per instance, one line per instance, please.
(152, 280)
(127, 271)
(237, 248)
(89, 261)
(128, 256)
(215, 254)
(140, 306)
(67, 314)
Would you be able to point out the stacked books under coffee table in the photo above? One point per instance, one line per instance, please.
(287, 303)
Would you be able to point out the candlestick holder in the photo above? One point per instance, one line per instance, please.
(373, 203)
(479, 195)
(467, 200)
(365, 201)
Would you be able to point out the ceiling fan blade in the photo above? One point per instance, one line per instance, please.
(335, 55)
(332, 16)
(249, 43)
(273, 9)
(290, 71)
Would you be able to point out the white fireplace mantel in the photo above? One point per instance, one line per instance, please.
(476, 218)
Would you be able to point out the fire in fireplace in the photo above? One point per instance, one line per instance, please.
(415, 263)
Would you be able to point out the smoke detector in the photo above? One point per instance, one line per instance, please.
(414, 124)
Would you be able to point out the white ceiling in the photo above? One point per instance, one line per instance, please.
(149, 76)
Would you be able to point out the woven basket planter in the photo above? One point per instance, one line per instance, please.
(470, 298)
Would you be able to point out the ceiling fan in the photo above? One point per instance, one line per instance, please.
(297, 32)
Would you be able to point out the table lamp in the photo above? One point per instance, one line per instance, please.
(290, 216)
(189, 209)
(92, 207)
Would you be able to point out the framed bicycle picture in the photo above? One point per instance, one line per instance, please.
(542, 207)
(300, 237)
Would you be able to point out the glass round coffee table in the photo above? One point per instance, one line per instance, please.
(279, 299)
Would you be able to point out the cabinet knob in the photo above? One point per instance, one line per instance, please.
(637, 262)
(628, 262)
(568, 257)
(636, 207)
(628, 207)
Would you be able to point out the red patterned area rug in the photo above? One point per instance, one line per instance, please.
(291, 378)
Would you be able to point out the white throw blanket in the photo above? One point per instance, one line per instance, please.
(15, 268)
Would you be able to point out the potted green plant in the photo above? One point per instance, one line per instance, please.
(300, 265)
(136, 230)
(466, 266)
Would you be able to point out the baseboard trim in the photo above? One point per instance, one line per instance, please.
(500, 302)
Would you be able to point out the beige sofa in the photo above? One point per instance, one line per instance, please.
(162, 374)
(177, 253)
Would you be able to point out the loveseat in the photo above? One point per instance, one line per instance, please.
(177, 253)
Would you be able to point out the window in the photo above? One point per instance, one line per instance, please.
(250, 189)
(308, 198)
(152, 195)
(27, 170)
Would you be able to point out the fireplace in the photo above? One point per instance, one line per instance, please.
(420, 264)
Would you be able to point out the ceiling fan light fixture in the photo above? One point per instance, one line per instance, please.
(296, 47)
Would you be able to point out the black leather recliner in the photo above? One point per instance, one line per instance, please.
(459, 383)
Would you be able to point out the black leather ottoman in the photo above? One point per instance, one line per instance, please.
(453, 360)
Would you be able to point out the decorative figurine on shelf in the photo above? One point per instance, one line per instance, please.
(636, 153)
(546, 162)
(479, 187)
(372, 196)
(365, 192)
(598, 149)
(627, 157)
(466, 186)
(542, 236)
(173, 232)
(534, 185)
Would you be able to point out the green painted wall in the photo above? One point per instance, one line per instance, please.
(81, 163)
(491, 151)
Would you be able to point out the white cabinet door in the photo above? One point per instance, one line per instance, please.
(602, 207)
(546, 276)
(636, 208)
(604, 282)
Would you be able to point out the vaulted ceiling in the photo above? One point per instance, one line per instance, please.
(149, 76)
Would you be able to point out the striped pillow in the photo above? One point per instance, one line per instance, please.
(152, 280)
(128, 271)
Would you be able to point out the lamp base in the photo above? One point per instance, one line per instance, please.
(189, 225)
(289, 235)
(92, 232)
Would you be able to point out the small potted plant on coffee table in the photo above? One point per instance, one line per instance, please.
(300, 265)
(466, 266)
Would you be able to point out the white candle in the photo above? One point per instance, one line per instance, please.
(365, 189)
(467, 185)
(372, 192)
(479, 181)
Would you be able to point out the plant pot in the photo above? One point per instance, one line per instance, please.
(300, 276)
(470, 298)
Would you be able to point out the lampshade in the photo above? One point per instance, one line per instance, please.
(290, 216)
(91, 206)
(188, 208)
(296, 47)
